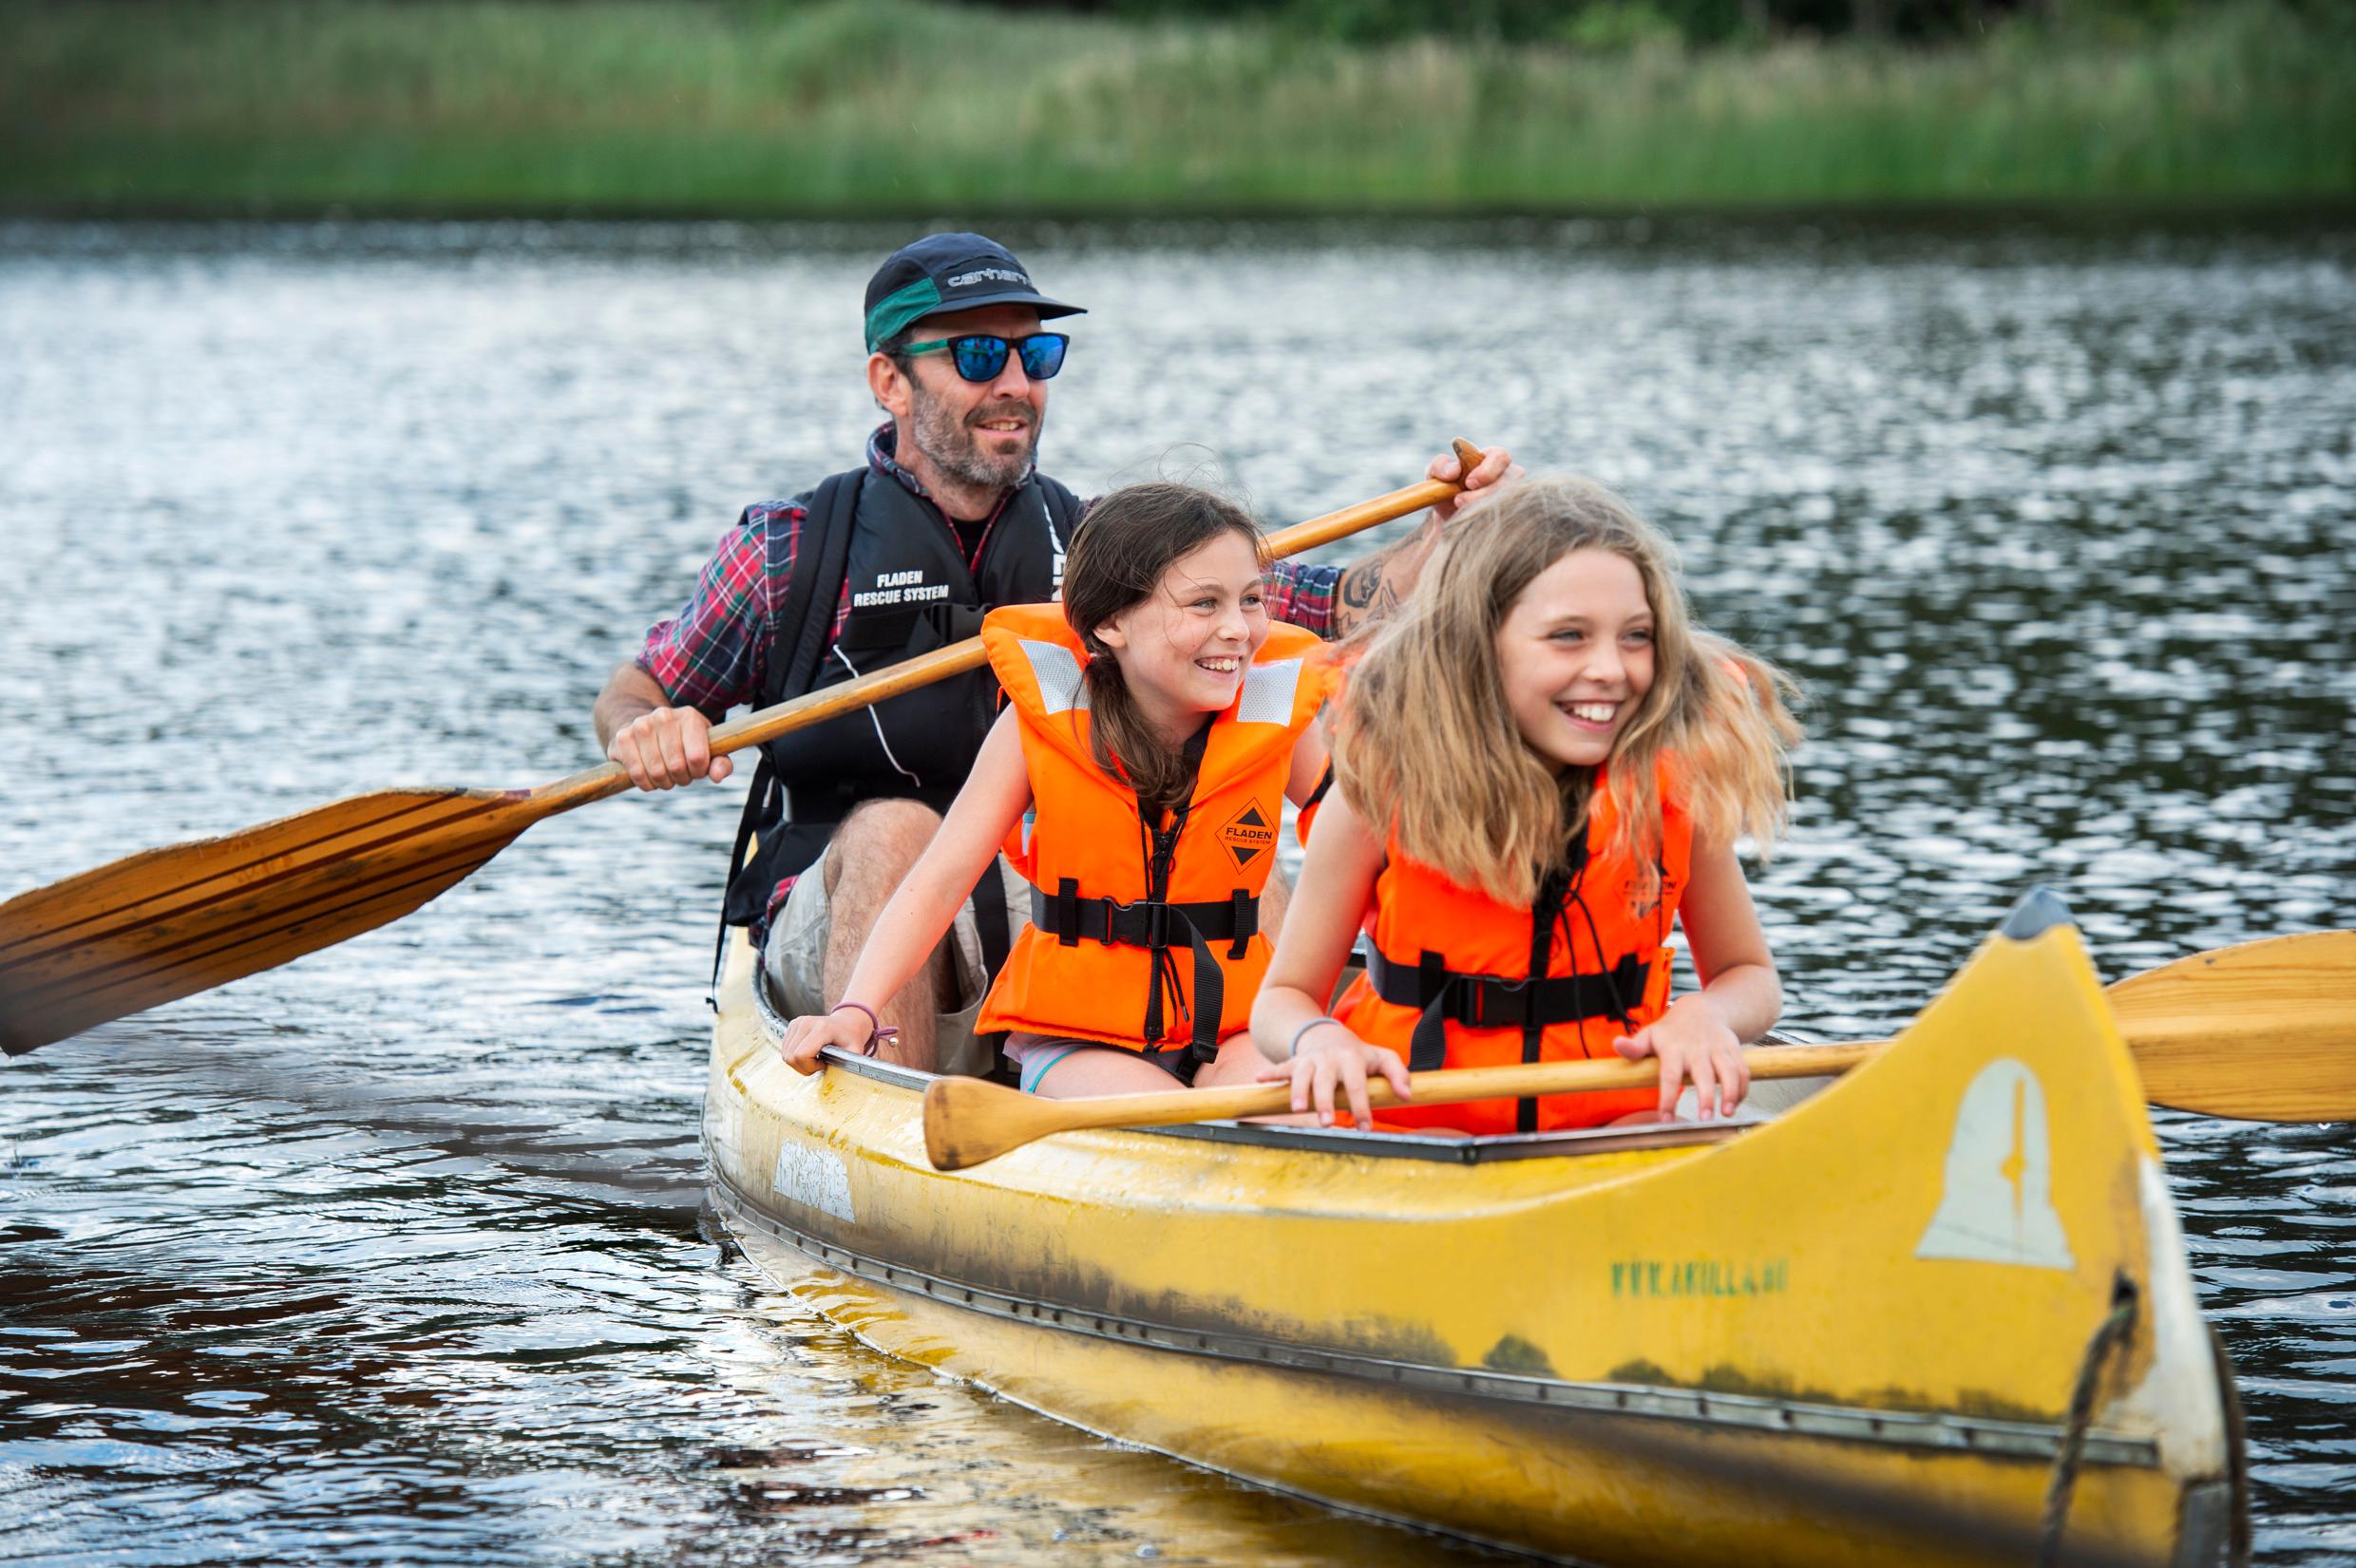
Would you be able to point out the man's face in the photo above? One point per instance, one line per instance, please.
(981, 433)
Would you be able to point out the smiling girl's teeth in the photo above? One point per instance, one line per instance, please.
(1594, 712)
(1221, 667)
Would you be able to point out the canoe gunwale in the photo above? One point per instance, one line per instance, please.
(1385, 1145)
(1935, 1431)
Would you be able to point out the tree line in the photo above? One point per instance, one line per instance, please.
(1625, 22)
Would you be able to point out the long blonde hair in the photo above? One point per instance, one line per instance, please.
(1427, 749)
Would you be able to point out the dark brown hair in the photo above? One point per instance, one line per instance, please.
(1119, 552)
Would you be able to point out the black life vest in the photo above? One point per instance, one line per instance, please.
(911, 592)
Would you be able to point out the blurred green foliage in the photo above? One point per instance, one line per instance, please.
(916, 108)
(1617, 24)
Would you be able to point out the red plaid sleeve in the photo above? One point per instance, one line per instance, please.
(1304, 595)
(713, 653)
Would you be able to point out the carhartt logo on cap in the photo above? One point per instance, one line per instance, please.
(988, 274)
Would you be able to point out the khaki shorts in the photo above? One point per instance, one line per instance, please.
(793, 962)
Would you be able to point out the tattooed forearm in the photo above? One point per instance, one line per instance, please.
(1361, 584)
(1372, 588)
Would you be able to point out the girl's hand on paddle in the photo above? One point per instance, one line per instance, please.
(806, 1036)
(1693, 1043)
(1497, 466)
(667, 746)
(1329, 1058)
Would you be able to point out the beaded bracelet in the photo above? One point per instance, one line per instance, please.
(1295, 1047)
(876, 1032)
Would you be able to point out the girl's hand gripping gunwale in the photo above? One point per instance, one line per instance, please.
(846, 1027)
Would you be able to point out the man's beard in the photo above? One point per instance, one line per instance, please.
(949, 445)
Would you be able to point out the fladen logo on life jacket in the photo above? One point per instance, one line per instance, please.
(1249, 834)
(1642, 904)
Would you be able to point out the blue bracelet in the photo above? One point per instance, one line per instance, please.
(1295, 1047)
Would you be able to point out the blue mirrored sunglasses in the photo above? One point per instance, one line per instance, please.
(982, 357)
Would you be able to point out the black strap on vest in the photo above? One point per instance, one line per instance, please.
(1147, 923)
(1543, 911)
(814, 586)
(990, 920)
(764, 785)
(1446, 997)
(1156, 924)
(1070, 919)
(822, 555)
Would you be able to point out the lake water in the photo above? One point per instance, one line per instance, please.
(402, 1253)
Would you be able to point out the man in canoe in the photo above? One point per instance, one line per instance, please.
(948, 515)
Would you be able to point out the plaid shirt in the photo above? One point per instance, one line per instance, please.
(713, 653)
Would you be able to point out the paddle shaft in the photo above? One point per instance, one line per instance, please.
(167, 923)
(1447, 1088)
(817, 706)
(2263, 1030)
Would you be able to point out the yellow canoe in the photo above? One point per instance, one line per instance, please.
(1848, 1333)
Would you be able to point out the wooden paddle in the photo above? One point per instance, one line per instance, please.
(2265, 1031)
(170, 922)
(2260, 1032)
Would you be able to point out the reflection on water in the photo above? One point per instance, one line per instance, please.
(401, 1253)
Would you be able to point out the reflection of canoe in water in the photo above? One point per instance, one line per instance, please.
(1849, 1334)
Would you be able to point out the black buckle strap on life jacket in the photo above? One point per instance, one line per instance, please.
(1445, 996)
(1543, 911)
(990, 921)
(1159, 927)
(766, 794)
(1071, 918)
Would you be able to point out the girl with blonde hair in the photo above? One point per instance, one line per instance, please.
(1540, 764)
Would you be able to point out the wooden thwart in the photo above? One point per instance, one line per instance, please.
(167, 923)
(2265, 1031)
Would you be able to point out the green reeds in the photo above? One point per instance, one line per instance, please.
(902, 108)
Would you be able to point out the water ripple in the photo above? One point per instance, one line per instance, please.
(401, 1253)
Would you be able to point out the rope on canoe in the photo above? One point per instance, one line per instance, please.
(2236, 1454)
(2112, 1333)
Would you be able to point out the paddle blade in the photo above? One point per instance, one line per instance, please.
(967, 1121)
(166, 923)
(2263, 1032)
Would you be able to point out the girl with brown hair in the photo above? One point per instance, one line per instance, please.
(1153, 721)
(1540, 765)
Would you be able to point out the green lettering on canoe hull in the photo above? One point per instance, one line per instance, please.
(1714, 1278)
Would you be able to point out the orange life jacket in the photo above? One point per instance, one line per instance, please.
(1457, 979)
(1111, 904)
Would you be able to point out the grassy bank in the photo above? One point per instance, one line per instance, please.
(897, 106)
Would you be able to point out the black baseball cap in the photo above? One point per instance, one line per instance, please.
(951, 271)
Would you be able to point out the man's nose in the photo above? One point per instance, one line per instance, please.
(1010, 381)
